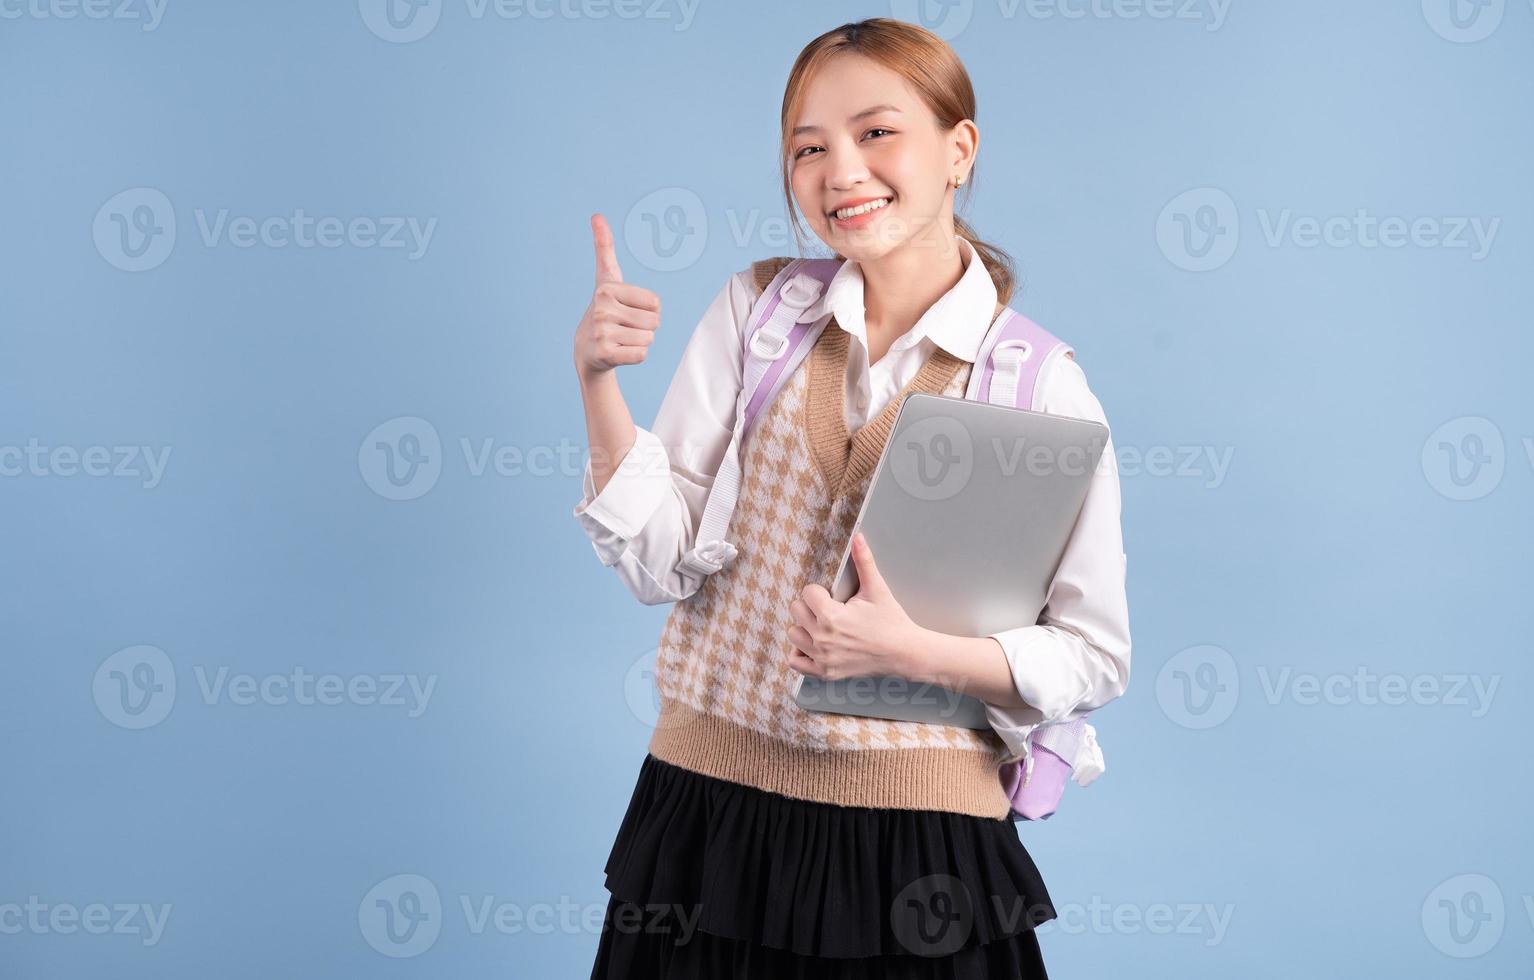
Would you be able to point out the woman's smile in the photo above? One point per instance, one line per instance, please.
(859, 213)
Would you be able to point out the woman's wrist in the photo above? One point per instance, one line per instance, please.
(973, 665)
(589, 377)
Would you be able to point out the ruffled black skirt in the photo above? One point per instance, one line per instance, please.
(713, 879)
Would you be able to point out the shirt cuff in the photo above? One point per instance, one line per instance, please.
(633, 493)
(1047, 672)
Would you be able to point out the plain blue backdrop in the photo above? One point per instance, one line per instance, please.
(311, 673)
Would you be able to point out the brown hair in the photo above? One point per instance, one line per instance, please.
(934, 70)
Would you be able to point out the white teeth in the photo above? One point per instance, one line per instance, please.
(845, 213)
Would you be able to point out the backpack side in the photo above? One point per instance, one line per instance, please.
(1014, 358)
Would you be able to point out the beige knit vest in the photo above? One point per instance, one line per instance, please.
(722, 674)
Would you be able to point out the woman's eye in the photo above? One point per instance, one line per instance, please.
(876, 129)
(804, 150)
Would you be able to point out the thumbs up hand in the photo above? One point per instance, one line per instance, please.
(619, 325)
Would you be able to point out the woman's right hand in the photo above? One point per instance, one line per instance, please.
(621, 321)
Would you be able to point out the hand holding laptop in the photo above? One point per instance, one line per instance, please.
(859, 637)
(969, 510)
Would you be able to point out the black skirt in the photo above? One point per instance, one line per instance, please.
(713, 879)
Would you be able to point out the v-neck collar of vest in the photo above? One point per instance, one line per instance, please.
(845, 459)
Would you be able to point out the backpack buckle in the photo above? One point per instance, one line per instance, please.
(709, 557)
(1023, 348)
(800, 291)
(765, 336)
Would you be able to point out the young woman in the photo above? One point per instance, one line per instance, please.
(764, 840)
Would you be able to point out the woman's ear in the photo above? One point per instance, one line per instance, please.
(965, 137)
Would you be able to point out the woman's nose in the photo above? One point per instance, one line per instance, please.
(845, 168)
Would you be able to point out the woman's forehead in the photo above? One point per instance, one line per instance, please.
(850, 87)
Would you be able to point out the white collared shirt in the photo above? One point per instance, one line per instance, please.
(1075, 660)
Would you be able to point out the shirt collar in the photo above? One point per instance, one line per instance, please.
(957, 322)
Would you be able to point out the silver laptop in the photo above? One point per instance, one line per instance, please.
(968, 514)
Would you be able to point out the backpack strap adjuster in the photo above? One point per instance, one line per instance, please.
(798, 294)
(709, 557)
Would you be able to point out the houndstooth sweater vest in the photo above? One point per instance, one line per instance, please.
(722, 674)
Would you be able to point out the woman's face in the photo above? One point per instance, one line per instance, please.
(863, 135)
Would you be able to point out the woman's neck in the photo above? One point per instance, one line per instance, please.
(902, 285)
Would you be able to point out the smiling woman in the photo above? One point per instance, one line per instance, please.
(763, 839)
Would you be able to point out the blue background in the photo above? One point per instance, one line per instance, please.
(1335, 835)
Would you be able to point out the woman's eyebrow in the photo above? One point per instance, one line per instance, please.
(854, 118)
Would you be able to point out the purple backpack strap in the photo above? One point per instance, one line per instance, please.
(1012, 358)
(777, 338)
(778, 341)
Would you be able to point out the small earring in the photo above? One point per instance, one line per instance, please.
(958, 181)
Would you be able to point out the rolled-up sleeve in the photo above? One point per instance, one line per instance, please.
(1076, 658)
(647, 514)
(634, 492)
